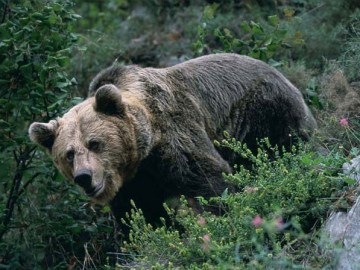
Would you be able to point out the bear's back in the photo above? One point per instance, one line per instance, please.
(222, 84)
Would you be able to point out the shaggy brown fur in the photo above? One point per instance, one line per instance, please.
(147, 134)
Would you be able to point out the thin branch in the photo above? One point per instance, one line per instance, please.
(16, 157)
(21, 160)
(12, 197)
(32, 152)
(5, 11)
(22, 190)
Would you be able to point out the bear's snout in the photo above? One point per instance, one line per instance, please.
(83, 178)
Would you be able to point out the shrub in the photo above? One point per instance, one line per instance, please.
(324, 27)
(38, 228)
(350, 52)
(261, 41)
(271, 222)
(280, 200)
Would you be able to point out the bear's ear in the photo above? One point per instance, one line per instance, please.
(108, 100)
(43, 133)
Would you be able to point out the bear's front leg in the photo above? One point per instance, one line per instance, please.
(205, 179)
(146, 193)
(206, 175)
(194, 168)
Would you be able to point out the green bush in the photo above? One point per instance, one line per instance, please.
(147, 33)
(43, 223)
(261, 41)
(351, 51)
(266, 224)
(324, 26)
(271, 222)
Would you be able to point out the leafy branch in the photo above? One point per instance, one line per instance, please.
(23, 160)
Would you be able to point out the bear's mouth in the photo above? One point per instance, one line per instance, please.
(92, 192)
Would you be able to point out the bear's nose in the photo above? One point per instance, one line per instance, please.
(83, 178)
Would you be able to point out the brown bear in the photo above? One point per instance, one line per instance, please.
(146, 134)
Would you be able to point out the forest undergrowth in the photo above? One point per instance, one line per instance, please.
(50, 50)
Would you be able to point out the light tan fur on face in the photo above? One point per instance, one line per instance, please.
(109, 168)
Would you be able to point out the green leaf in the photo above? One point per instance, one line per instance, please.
(354, 151)
(62, 84)
(26, 71)
(209, 11)
(254, 24)
(245, 26)
(106, 209)
(52, 19)
(289, 12)
(268, 41)
(225, 194)
(273, 20)
(37, 16)
(274, 63)
(57, 7)
(286, 45)
(350, 181)
(76, 16)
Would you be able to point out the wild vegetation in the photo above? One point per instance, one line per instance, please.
(49, 51)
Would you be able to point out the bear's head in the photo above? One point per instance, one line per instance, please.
(94, 144)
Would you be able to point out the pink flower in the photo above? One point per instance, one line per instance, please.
(344, 122)
(206, 238)
(206, 245)
(279, 223)
(248, 189)
(201, 221)
(257, 221)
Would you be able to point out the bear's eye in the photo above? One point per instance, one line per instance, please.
(70, 156)
(94, 145)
